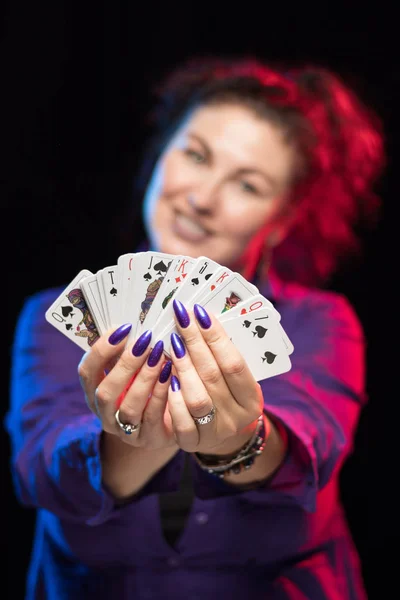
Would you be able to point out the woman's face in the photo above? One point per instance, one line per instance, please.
(236, 168)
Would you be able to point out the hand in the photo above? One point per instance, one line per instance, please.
(210, 371)
(132, 384)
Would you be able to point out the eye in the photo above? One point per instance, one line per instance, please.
(195, 156)
(248, 187)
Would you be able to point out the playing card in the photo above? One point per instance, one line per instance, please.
(111, 288)
(148, 274)
(103, 297)
(249, 305)
(70, 314)
(203, 268)
(286, 341)
(223, 291)
(178, 271)
(90, 288)
(259, 341)
(209, 285)
(139, 289)
(253, 304)
(218, 277)
(229, 293)
(125, 271)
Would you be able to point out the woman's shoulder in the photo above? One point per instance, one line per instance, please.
(30, 319)
(313, 304)
(36, 301)
(295, 292)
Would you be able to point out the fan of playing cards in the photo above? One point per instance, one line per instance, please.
(138, 290)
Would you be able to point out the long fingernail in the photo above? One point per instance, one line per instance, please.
(155, 354)
(181, 313)
(119, 334)
(175, 385)
(178, 345)
(165, 372)
(141, 343)
(202, 316)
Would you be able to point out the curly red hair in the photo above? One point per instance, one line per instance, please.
(340, 140)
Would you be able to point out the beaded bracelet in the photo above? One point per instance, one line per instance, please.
(243, 460)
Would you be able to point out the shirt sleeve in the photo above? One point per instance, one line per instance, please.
(318, 402)
(55, 438)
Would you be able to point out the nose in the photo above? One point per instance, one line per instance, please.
(203, 200)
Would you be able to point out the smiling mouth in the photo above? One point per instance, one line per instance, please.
(188, 229)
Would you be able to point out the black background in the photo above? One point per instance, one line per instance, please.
(75, 88)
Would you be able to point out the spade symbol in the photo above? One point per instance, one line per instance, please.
(113, 292)
(246, 324)
(195, 281)
(269, 357)
(68, 326)
(66, 310)
(260, 331)
(207, 276)
(160, 267)
(147, 276)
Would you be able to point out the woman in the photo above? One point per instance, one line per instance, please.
(268, 173)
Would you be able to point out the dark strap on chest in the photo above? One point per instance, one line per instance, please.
(175, 506)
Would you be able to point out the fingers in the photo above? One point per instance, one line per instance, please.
(155, 408)
(102, 392)
(193, 388)
(185, 429)
(91, 369)
(236, 373)
(136, 384)
(211, 372)
(205, 380)
(154, 425)
(201, 387)
(147, 367)
(219, 363)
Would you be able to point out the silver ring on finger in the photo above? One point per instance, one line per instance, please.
(206, 419)
(127, 428)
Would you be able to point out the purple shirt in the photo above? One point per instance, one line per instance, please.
(287, 540)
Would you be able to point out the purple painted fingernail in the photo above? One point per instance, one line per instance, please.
(155, 354)
(202, 316)
(181, 314)
(141, 343)
(178, 345)
(175, 385)
(165, 372)
(119, 334)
